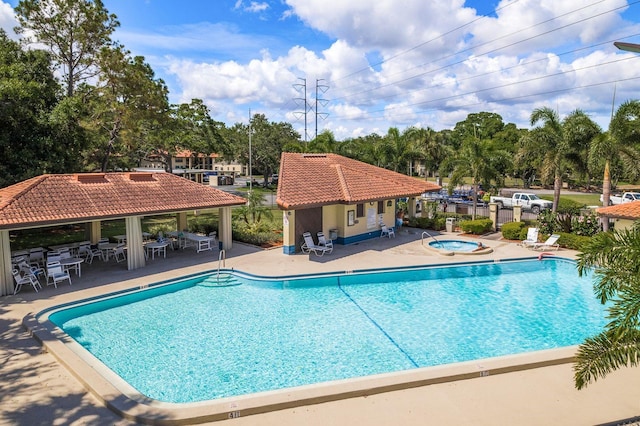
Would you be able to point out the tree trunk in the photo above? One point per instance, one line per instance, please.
(606, 192)
(557, 186)
(474, 204)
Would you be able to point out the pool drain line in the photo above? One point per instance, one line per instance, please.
(393, 342)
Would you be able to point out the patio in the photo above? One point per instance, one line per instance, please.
(38, 390)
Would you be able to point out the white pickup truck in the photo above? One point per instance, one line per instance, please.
(528, 201)
(626, 197)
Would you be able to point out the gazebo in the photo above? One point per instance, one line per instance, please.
(51, 200)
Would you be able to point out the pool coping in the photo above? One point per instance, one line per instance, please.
(129, 404)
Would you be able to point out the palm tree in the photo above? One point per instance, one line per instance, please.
(325, 142)
(399, 148)
(554, 141)
(616, 259)
(476, 159)
(431, 147)
(618, 144)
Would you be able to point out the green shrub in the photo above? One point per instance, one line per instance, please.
(203, 225)
(513, 230)
(255, 238)
(165, 228)
(439, 223)
(421, 222)
(477, 227)
(572, 241)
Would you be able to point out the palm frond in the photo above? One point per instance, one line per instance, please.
(604, 353)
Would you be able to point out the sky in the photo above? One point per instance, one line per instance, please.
(368, 66)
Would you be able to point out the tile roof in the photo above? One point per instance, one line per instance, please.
(623, 211)
(72, 198)
(312, 180)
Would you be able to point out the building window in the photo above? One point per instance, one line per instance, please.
(360, 210)
(380, 207)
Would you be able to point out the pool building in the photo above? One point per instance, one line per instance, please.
(346, 199)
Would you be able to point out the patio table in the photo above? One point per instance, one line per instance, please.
(72, 263)
(107, 249)
(156, 248)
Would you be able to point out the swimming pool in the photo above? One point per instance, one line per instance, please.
(193, 341)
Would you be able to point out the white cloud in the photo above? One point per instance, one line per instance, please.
(8, 20)
(435, 62)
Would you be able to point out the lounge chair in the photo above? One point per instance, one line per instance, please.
(310, 246)
(24, 279)
(387, 232)
(551, 243)
(323, 242)
(532, 238)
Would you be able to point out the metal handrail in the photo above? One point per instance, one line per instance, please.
(430, 236)
(222, 258)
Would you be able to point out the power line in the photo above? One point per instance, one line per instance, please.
(424, 43)
(493, 50)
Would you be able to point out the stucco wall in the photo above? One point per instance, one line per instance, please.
(337, 217)
(620, 224)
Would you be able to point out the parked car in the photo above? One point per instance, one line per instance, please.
(528, 201)
(626, 197)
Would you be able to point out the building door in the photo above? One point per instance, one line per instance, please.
(308, 220)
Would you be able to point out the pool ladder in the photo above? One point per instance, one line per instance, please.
(222, 259)
(428, 235)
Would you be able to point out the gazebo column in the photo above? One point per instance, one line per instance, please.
(181, 220)
(289, 232)
(224, 228)
(95, 231)
(6, 285)
(135, 248)
(411, 207)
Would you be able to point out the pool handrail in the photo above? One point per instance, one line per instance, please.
(429, 235)
(222, 258)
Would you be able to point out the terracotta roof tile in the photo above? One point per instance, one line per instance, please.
(53, 199)
(311, 180)
(624, 211)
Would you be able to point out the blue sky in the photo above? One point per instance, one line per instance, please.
(426, 64)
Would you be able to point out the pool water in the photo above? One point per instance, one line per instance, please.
(454, 245)
(192, 341)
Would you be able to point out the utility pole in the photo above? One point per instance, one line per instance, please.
(302, 87)
(250, 168)
(320, 88)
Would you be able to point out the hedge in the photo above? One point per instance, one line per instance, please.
(477, 227)
(513, 230)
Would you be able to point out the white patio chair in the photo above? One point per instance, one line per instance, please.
(119, 253)
(24, 279)
(386, 231)
(88, 253)
(56, 274)
(310, 246)
(324, 242)
(550, 244)
(532, 238)
(36, 256)
(34, 271)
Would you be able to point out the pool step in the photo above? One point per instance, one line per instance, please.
(222, 280)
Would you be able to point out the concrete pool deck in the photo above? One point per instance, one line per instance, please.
(35, 389)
